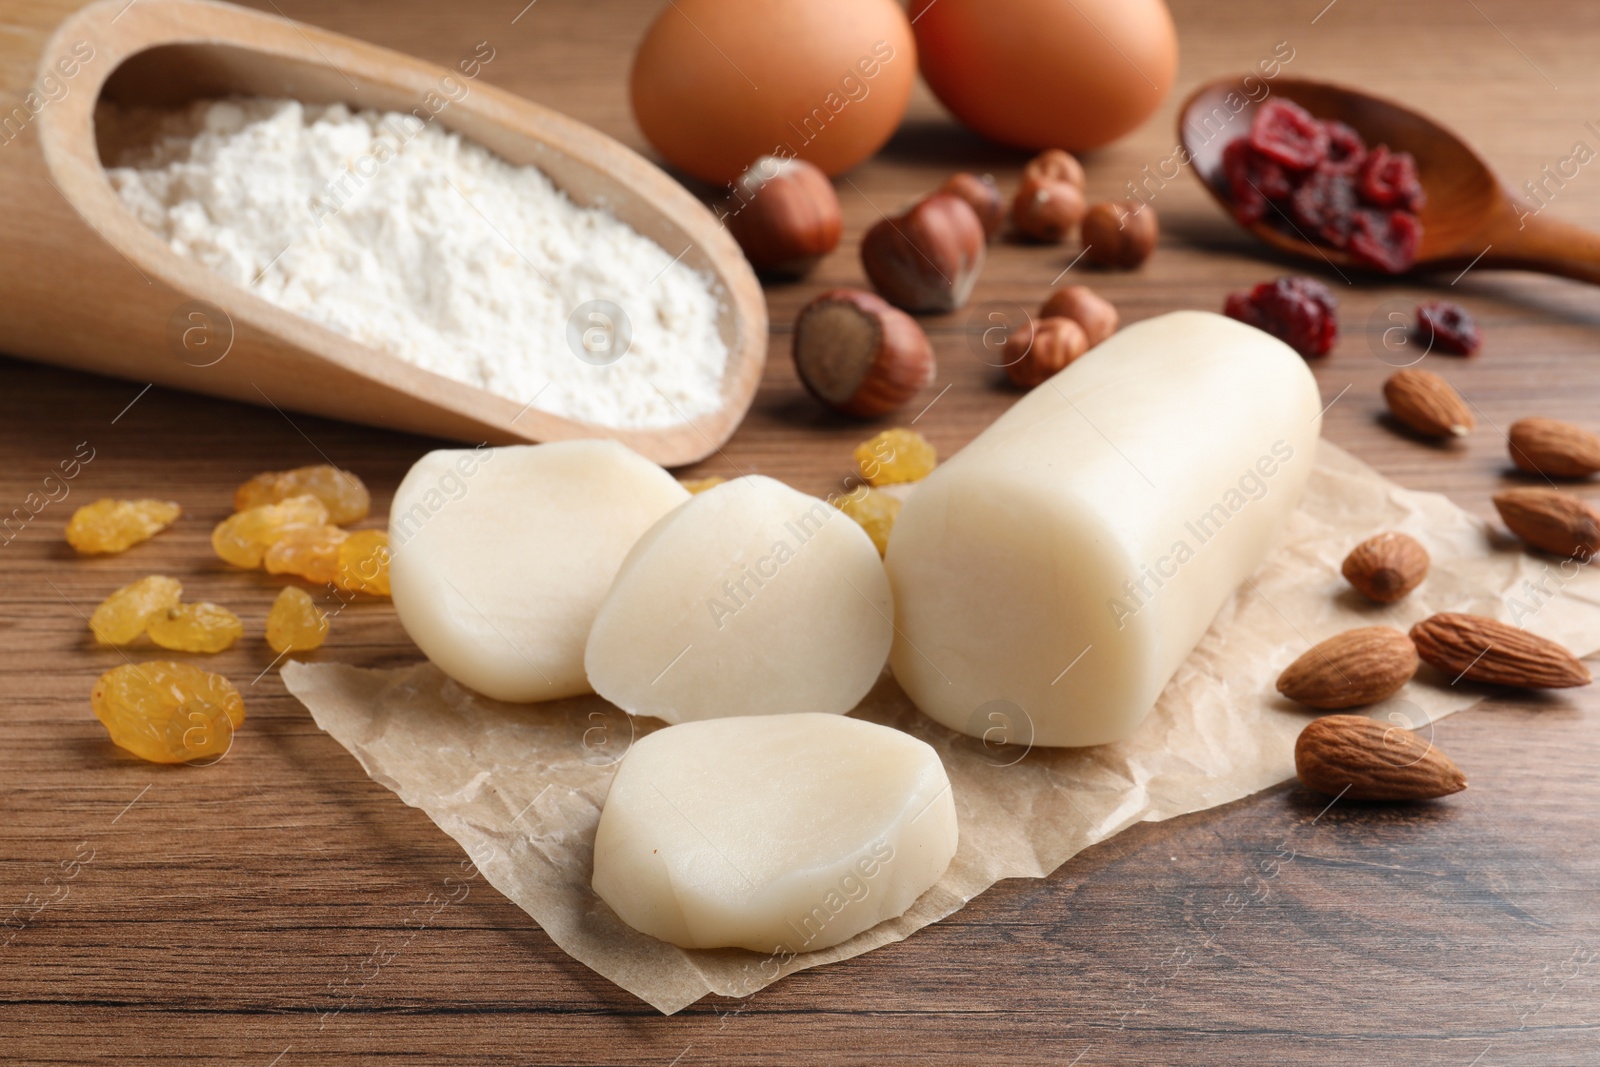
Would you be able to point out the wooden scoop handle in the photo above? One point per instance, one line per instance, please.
(1528, 241)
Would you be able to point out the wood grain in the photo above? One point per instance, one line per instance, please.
(279, 907)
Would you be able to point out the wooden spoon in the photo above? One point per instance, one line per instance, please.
(1470, 217)
(84, 284)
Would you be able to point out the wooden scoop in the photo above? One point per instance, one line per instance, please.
(1470, 217)
(85, 285)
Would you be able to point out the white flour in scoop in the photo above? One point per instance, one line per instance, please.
(421, 244)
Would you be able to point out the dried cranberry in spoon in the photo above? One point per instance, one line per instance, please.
(1325, 205)
(1346, 149)
(1253, 180)
(1319, 179)
(1387, 240)
(1287, 133)
(1389, 179)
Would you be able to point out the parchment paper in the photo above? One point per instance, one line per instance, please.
(521, 787)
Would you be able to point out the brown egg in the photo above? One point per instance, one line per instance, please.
(717, 84)
(1071, 74)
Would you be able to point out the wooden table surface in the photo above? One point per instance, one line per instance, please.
(264, 910)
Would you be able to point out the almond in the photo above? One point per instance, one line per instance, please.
(1387, 567)
(1487, 650)
(1356, 667)
(1554, 448)
(1364, 759)
(1550, 519)
(1427, 403)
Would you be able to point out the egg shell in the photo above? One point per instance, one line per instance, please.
(1073, 74)
(716, 85)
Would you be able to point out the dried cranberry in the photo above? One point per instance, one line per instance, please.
(1346, 150)
(1298, 311)
(1320, 175)
(1242, 306)
(1302, 312)
(1249, 203)
(1253, 180)
(1270, 177)
(1448, 327)
(1325, 204)
(1389, 179)
(1286, 132)
(1387, 240)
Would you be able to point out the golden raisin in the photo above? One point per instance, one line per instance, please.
(874, 510)
(895, 456)
(117, 525)
(364, 563)
(341, 492)
(700, 485)
(312, 552)
(294, 624)
(122, 616)
(243, 538)
(202, 627)
(168, 712)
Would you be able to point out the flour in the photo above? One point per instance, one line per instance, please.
(409, 239)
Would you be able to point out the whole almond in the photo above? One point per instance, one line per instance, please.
(1356, 667)
(1555, 448)
(1364, 759)
(1427, 403)
(1550, 519)
(1487, 650)
(1386, 567)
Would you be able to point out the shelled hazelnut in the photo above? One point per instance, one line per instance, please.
(1038, 350)
(860, 355)
(1056, 165)
(1047, 209)
(983, 196)
(929, 258)
(785, 215)
(1120, 234)
(1087, 308)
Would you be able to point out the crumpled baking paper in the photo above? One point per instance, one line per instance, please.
(520, 787)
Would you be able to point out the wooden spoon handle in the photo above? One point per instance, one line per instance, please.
(1535, 242)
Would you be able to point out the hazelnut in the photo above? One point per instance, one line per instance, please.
(784, 214)
(857, 353)
(1085, 307)
(1119, 233)
(1056, 165)
(1040, 349)
(983, 196)
(927, 259)
(1046, 209)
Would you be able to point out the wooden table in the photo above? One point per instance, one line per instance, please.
(234, 913)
